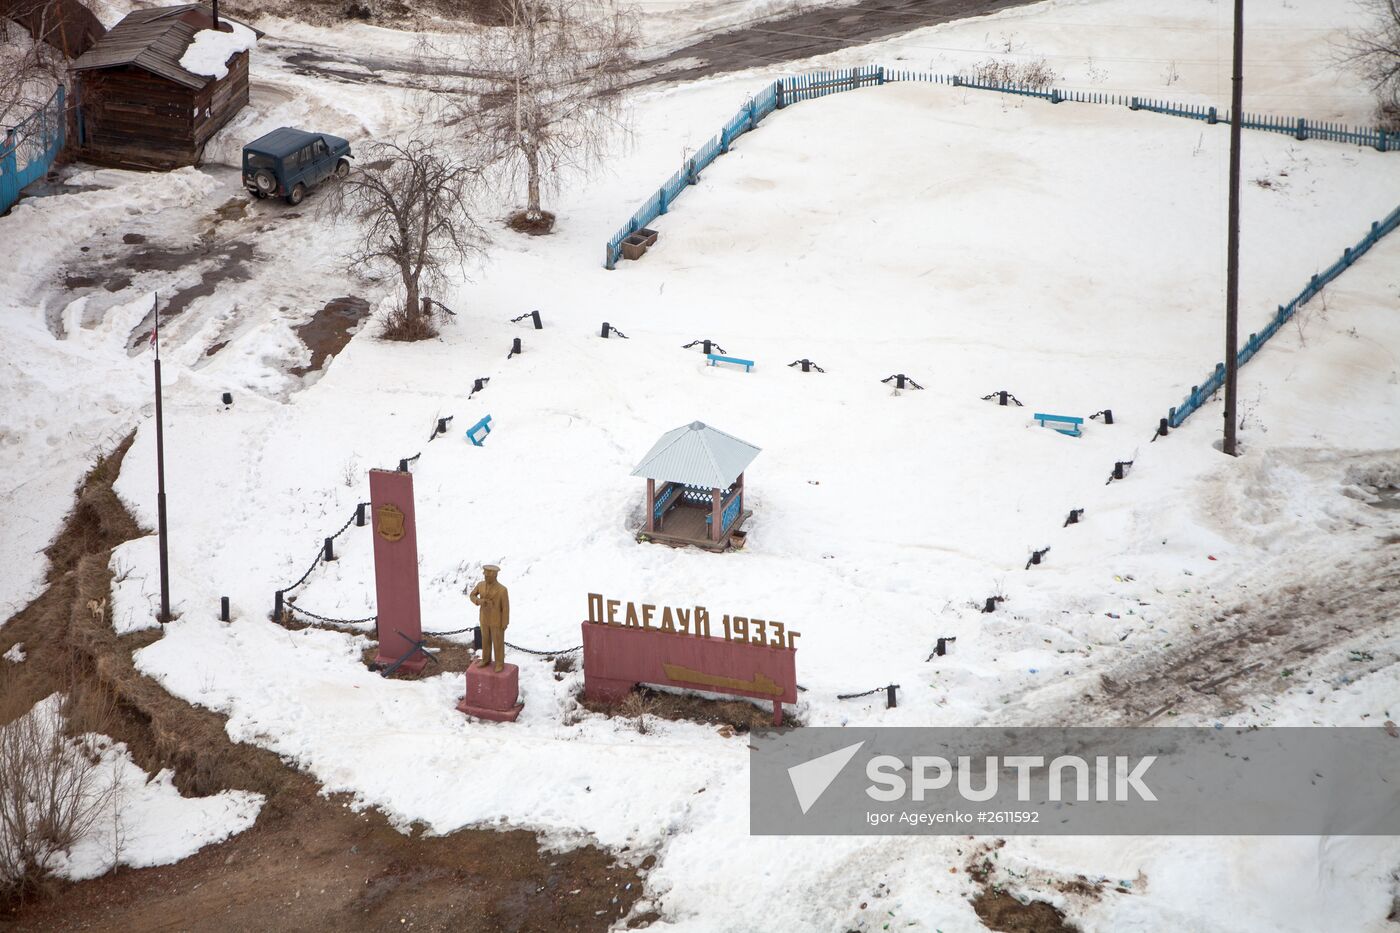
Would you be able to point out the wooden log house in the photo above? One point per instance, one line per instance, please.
(137, 107)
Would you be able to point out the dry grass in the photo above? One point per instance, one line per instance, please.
(51, 792)
(522, 222)
(402, 324)
(1034, 76)
(736, 716)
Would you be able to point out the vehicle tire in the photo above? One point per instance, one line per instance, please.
(342, 168)
(298, 192)
(265, 182)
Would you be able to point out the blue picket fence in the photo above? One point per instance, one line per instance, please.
(810, 86)
(30, 148)
(777, 95)
(1202, 393)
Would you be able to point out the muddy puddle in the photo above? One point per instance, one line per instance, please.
(329, 330)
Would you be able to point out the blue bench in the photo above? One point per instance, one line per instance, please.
(1065, 424)
(482, 428)
(716, 358)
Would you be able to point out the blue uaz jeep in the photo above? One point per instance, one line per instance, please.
(287, 163)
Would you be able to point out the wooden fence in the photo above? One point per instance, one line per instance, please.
(776, 96)
(30, 148)
(1200, 394)
(798, 88)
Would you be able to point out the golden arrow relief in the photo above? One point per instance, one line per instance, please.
(759, 683)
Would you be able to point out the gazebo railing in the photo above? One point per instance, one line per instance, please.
(669, 494)
(731, 512)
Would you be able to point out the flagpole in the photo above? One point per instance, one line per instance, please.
(1232, 249)
(160, 477)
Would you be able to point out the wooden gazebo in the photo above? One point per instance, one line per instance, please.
(695, 487)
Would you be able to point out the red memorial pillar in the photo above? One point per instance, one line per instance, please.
(396, 569)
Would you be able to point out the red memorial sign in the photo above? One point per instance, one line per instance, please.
(400, 622)
(624, 645)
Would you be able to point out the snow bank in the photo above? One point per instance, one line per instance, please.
(143, 820)
(210, 50)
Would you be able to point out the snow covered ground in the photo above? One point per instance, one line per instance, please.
(1070, 254)
(141, 819)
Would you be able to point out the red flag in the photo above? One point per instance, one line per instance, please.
(155, 330)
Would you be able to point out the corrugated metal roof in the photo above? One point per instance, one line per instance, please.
(698, 455)
(153, 39)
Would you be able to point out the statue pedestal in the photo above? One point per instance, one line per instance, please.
(492, 695)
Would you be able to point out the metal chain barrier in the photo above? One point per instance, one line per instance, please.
(321, 554)
(543, 654)
(293, 609)
(700, 343)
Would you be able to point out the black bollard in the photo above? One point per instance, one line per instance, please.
(442, 426)
(223, 608)
(606, 327)
(476, 638)
(514, 348)
(479, 384)
(806, 366)
(1162, 428)
(1001, 398)
(889, 696)
(899, 380)
(1118, 469)
(360, 515)
(1108, 416)
(991, 604)
(227, 398)
(277, 607)
(1073, 518)
(403, 466)
(328, 553)
(941, 648)
(535, 316)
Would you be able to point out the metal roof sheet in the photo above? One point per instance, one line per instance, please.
(153, 39)
(697, 455)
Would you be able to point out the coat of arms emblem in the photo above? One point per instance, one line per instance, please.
(389, 522)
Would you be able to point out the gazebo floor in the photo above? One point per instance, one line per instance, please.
(684, 527)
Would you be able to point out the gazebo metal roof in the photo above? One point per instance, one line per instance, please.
(697, 455)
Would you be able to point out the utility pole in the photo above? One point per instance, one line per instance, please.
(160, 476)
(1232, 268)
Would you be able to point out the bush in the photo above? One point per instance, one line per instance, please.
(1033, 76)
(401, 324)
(51, 794)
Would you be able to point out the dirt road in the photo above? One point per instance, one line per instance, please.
(816, 32)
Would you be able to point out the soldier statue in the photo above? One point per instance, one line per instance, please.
(494, 600)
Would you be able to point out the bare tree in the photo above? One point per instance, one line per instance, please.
(30, 68)
(51, 796)
(1374, 51)
(413, 205)
(555, 73)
